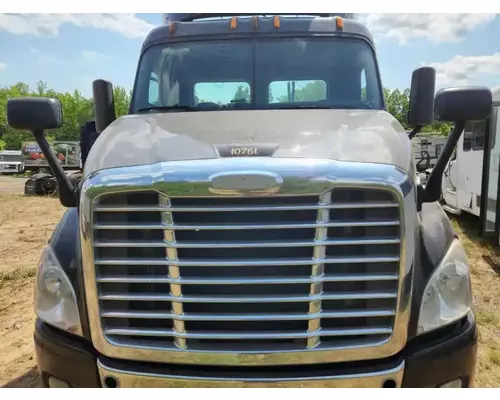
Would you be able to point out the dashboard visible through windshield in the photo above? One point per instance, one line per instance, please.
(337, 73)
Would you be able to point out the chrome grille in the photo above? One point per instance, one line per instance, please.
(280, 273)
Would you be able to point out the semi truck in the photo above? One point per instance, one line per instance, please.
(263, 242)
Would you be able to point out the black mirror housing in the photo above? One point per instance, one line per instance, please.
(34, 113)
(104, 104)
(463, 104)
(423, 86)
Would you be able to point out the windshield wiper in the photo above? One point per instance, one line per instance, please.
(176, 107)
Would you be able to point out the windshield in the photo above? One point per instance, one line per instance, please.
(250, 74)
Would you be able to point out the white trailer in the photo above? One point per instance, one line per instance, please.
(470, 181)
(11, 162)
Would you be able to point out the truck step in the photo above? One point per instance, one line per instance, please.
(451, 210)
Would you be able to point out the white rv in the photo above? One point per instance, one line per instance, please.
(475, 164)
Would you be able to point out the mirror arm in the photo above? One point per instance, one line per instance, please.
(432, 191)
(66, 189)
(415, 131)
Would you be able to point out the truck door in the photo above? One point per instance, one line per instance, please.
(490, 178)
(470, 167)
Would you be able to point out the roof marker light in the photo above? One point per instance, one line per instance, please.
(172, 28)
(233, 23)
(276, 21)
(340, 23)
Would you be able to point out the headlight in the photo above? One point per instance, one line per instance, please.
(55, 300)
(448, 295)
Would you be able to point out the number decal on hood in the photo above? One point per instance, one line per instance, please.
(246, 150)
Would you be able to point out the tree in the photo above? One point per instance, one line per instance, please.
(242, 94)
(398, 104)
(313, 91)
(77, 109)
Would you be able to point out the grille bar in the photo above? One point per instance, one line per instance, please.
(247, 281)
(253, 263)
(246, 335)
(318, 269)
(229, 245)
(256, 317)
(338, 206)
(179, 227)
(240, 299)
(174, 272)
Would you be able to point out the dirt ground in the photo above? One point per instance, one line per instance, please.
(25, 226)
(27, 222)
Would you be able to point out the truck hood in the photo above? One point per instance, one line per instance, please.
(345, 135)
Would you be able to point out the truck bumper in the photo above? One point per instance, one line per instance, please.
(444, 358)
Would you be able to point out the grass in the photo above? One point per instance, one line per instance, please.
(484, 260)
(17, 274)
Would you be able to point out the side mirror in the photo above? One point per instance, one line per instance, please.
(457, 105)
(423, 86)
(463, 104)
(104, 104)
(34, 113)
(37, 114)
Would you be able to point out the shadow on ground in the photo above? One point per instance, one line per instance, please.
(28, 380)
(469, 224)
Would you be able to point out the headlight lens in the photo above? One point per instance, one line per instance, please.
(55, 299)
(448, 295)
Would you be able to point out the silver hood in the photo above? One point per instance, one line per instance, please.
(343, 135)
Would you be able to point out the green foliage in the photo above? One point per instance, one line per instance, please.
(398, 103)
(313, 91)
(77, 110)
(242, 94)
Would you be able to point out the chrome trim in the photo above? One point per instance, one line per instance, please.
(248, 182)
(191, 227)
(254, 299)
(173, 271)
(141, 379)
(254, 317)
(249, 281)
(246, 335)
(250, 208)
(331, 242)
(254, 263)
(300, 177)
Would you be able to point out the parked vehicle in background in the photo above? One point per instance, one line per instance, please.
(67, 153)
(427, 149)
(11, 162)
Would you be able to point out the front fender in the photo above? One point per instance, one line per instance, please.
(65, 242)
(436, 234)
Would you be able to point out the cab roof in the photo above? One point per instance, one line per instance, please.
(185, 28)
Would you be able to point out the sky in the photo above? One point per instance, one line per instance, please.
(69, 51)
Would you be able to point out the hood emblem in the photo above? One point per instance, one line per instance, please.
(245, 183)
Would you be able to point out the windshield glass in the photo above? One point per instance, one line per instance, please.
(281, 73)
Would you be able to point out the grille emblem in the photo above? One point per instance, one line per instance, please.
(247, 183)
